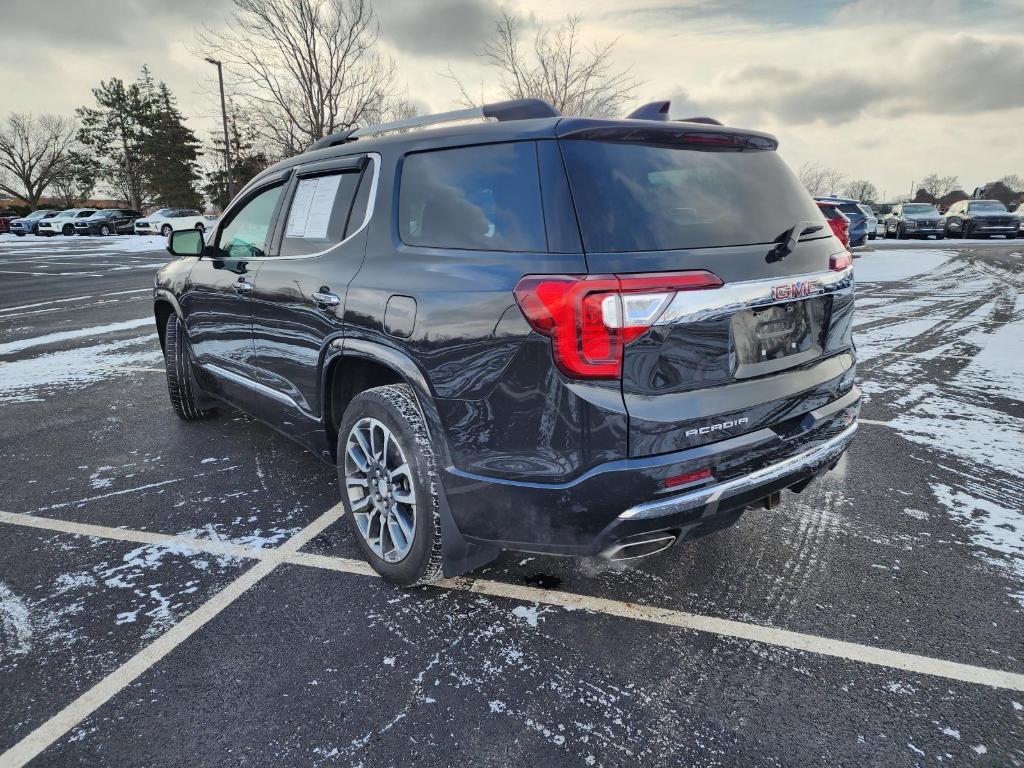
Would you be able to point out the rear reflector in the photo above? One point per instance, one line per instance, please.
(590, 318)
(686, 479)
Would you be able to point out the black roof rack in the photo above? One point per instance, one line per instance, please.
(656, 110)
(517, 109)
(707, 120)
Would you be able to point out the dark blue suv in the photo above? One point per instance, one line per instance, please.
(540, 333)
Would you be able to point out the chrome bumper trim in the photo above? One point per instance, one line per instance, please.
(710, 496)
(716, 303)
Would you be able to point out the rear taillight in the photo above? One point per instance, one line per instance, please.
(837, 262)
(590, 318)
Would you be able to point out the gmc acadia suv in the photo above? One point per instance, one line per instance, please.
(539, 333)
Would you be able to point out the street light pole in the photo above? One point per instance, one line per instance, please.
(224, 115)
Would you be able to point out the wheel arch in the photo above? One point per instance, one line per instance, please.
(352, 366)
(164, 305)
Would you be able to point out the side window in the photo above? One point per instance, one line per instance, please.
(481, 198)
(318, 213)
(245, 234)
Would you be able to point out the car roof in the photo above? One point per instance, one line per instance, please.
(494, 132)
(838, 200)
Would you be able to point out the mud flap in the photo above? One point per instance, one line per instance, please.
(459, 556)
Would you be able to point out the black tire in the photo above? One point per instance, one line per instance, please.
(20, 234)
(67, 229)
(165, 230)
(1012, 236)
(396, 407)
(901, 234)
(940, 237)
(872, 237)
(179, 374)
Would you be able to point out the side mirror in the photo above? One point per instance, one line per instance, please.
(186, 242)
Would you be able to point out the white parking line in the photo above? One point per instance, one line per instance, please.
(68, 718)
(757, 633)
(52, 338)
(874, 423)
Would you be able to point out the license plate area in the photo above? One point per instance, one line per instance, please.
(777, 337)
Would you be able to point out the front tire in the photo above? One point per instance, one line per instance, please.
(67, 230)
(388, 479)
(165, 230)
(104, 230)
(178, 365)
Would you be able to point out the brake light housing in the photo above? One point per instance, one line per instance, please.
(591, 318)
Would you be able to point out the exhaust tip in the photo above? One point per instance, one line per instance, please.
(640, 547)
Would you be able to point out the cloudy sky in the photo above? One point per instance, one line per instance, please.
(884, 90)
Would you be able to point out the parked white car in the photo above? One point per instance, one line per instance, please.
(64, 222)
(168, 220)
(872, 226)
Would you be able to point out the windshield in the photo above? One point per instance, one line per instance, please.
(637, 197)
(37, 214)
(987, 205)
(921, 208)
(164, 212)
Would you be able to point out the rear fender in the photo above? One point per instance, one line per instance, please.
(458, 554)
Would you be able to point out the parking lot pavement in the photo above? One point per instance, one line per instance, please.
(873, 619)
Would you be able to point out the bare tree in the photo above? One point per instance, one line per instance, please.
(861, 189)
(308, 68)
(820, 181)
(1014, 181)
(558, 67)
(937, 186)
(33, 151)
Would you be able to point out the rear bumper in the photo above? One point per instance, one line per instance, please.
(622, 500)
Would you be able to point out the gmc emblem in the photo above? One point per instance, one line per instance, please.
(797, 290)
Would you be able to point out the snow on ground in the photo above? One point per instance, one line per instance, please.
(118, 244)
(896, 265)
(27, 380)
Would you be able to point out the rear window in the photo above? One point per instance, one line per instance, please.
(637, 197)
(851, 208)
(479, 198)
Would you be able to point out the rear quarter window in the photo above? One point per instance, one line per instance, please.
(640, 197)
(476, 198)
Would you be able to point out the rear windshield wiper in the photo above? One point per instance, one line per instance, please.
(788, 240)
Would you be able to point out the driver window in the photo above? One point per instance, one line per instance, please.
(246, 234)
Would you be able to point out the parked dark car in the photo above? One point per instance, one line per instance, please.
(980, 218)
(858, 219)
(7, 215)
(109, 221)
(29, 225)
(540, 333)
(921, 220)
(837, 221)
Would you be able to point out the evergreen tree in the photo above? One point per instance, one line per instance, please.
(115, 132)
(171, 153)
(145, 153)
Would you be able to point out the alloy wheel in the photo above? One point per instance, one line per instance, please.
(378, 480)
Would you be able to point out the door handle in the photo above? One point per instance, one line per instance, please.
(243, 286)
(324, 299)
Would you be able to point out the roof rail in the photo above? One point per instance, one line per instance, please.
(517, 109)
(656, 110)
(707, 120)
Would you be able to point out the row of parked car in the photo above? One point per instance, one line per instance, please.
(109, 221)
(968, 218)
